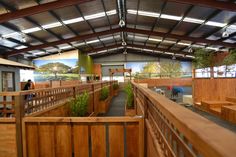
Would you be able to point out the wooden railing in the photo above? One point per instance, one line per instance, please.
(166, 81)
(85, 137)
(16, 105)
(32, 101)
(174, 131)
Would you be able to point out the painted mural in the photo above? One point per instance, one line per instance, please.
(57, 67)
(162, 68)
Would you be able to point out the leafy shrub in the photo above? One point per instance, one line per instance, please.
(231, 58)
(115, 86)
(203, 58)
(79, 105)
(130, 95)
(104, 93)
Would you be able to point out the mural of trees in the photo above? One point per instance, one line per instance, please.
(172, 69)
(54, 67)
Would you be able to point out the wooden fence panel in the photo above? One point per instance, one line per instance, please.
(81, 140)
(116, 140)
(82, 137)
(132, 140)
(8, 138)
(98, 140)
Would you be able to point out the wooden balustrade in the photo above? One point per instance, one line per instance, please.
(174, 131)
(85, 137)
(40, 99)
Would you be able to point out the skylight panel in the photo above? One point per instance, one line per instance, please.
(111, 12)
(20, 47)
(169, 41)
(11, 35)
(92, 41)
(134, 12)
(216, 24)
(107, 38)
(65, 47)
(171, 17)
(31, 30)
(212, 48)
(80, 44)
(102, 51)
(75, 20)
(39, 53)
(150, 14)
(94, 16)
(169, 53)
(154, 39)
(148, 50)
(193, 20)
(184, 44)
(52, 25)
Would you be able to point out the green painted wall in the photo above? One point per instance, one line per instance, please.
(85, 63)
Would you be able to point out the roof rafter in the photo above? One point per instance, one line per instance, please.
(39, 9)
(82, 37)
(187, 38)
(222, 5)
(131, 30)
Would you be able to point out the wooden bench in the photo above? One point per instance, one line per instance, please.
(215, 106)
(231, 99)
(229, 113)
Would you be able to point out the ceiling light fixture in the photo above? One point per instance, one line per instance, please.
(190, 50)
(173, 57)
(122, 23)
(225, 34)
(52, 25)
(31, 30)
(124, 43)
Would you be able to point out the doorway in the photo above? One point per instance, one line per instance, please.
(8, 81)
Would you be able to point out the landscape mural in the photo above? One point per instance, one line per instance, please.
(56, 68)
(163, 68)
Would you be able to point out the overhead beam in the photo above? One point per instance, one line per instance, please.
(222, 5)
(77, 38)
(131, 30)
(39, 9)
(187, 38)
(138, 46)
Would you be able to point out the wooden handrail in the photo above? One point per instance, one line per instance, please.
(206, 138)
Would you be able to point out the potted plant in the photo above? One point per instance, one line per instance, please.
(115, 89)
(129, 107)
(104, 100)
(79, 105)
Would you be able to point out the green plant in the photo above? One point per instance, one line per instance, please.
(115, 86)
(130, 95)
(104, 93)
(230, 58)
(79, 105)
(203, 58)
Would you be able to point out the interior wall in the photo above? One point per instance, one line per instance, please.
(11, 69)
(214, 89)
(85, 63)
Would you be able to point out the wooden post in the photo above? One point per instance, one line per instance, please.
(74, 92)
(93, 89)
(145, 128)
(60, 83)
(19, 113)
(212, 72)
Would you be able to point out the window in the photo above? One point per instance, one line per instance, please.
(8, 81)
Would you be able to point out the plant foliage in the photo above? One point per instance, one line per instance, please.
(115, 86)
(79, 105)
(130, 95)
(104, 93)
(203, 58)
(231, 58)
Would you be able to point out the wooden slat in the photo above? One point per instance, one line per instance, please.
(32, 140)
(47, 140)
(116, 140)
(81, 137)
(8, 140)
(132, 140)
(98, 140)
(63, 140)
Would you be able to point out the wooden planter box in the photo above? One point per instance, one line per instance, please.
(104, 105)
(129, 111)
